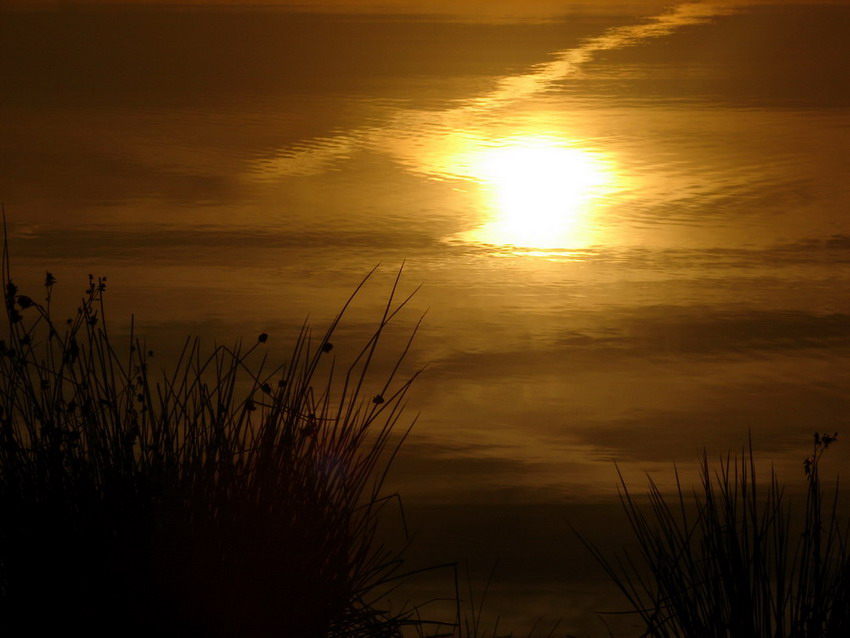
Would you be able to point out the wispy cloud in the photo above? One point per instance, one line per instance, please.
(418, 138)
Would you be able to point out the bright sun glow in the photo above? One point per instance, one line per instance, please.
(540, 191)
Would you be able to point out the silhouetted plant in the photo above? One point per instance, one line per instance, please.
(469, 610)
(225, 498)
(733, 561)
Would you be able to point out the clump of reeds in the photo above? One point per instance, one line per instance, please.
(225, 498)
(735, 559)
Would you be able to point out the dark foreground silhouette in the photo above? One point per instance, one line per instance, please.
(222, 498)
(227, 497)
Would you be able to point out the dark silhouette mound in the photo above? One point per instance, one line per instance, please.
(223, 498)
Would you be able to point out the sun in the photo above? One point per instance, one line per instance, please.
(539, 192)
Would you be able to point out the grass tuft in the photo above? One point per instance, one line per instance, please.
(731, 560)
(227, 497)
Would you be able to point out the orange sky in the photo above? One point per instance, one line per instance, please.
(479, 8)
(417, 5)
(454, 7)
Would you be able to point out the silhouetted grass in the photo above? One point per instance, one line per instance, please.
(735, 559)
(224, 498)
(468, 621)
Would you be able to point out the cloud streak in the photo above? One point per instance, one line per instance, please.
(422, 140)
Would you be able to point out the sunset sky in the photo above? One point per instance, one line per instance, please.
(529, 8)
(629, 221)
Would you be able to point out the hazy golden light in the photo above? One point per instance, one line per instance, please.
(540, 192)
